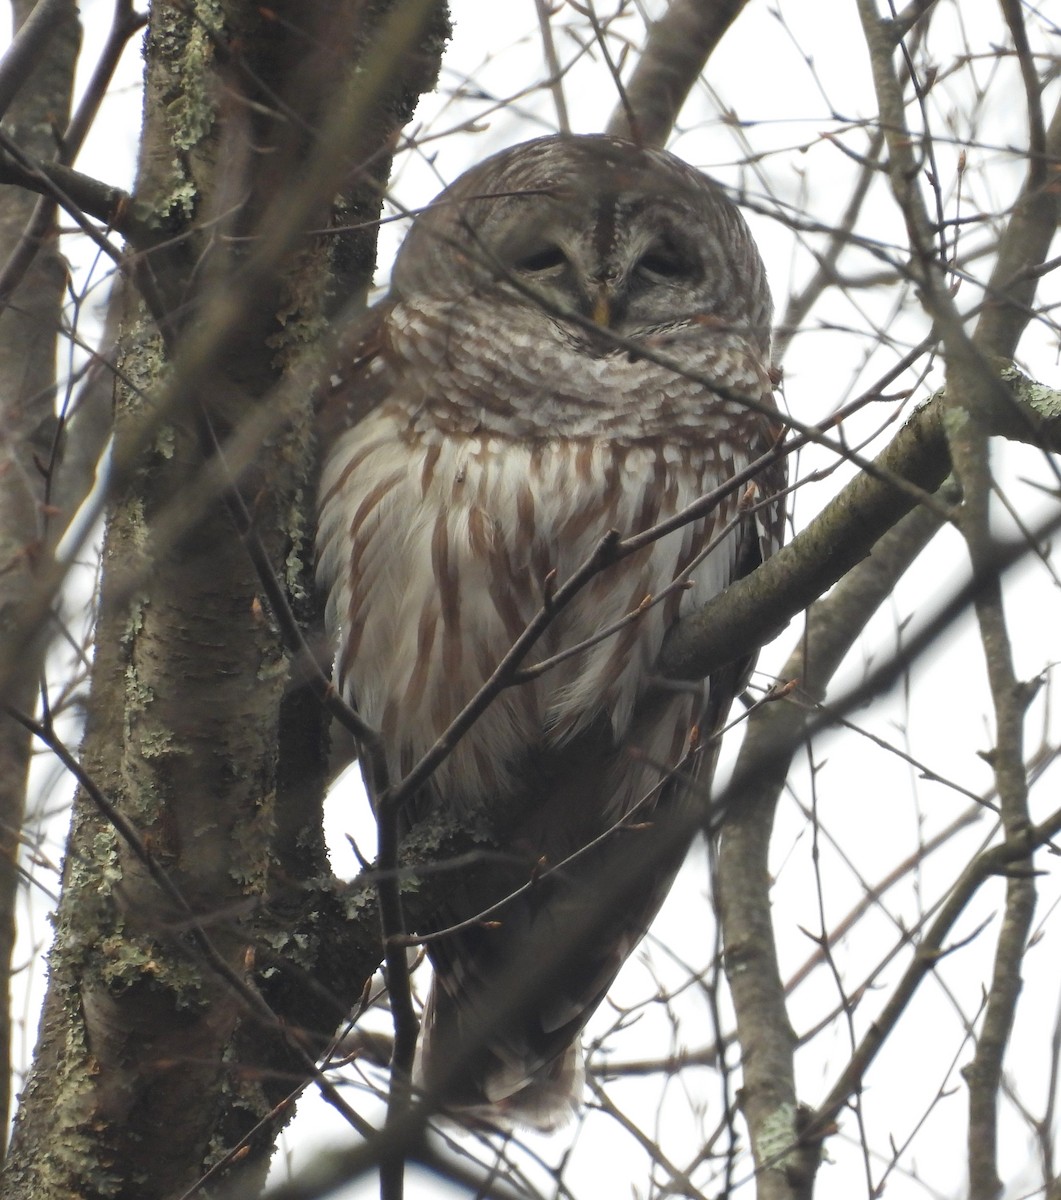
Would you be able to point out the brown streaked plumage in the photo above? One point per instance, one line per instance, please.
(508, 437)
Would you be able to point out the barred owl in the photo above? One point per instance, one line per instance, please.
(508, 422)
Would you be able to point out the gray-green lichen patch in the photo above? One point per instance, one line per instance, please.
(777, 1136)
(192, 113)
(160, 743)
(1042, 400)
(138, 696)
(97, 875)
(242, 1090)
(299, 511)
(956, 418)
(134, 624)
(165, 444)
(293, 572)
(178, 204)
(249, 871)
(128, 963)
(357, 899)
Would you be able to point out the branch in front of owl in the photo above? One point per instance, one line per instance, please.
(543, 870)
(747, 506)
(707, 503)
(604, 555)
(807, 434)
(610, 549)
(628, 822)
(843, 534)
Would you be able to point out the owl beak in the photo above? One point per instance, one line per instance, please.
(602, 306)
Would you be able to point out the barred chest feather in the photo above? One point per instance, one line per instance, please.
(440, 540)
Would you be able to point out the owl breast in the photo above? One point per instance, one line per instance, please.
(445, 520)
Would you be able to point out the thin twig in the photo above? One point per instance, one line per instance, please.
(125, 23)
(552, 61)
(77, 194)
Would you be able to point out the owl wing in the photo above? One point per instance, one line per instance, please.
(359, 381)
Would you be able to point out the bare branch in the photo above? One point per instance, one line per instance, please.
(1023, 249)
(77, 194)
(676, 51)
(126, 22)
(28, 46)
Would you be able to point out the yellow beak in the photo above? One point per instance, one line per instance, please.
(602, 307)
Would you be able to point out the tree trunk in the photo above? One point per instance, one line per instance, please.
(153, 1044)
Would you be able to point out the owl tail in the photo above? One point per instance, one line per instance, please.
(503, 1084)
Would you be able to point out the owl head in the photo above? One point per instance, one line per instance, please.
(629, 239)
